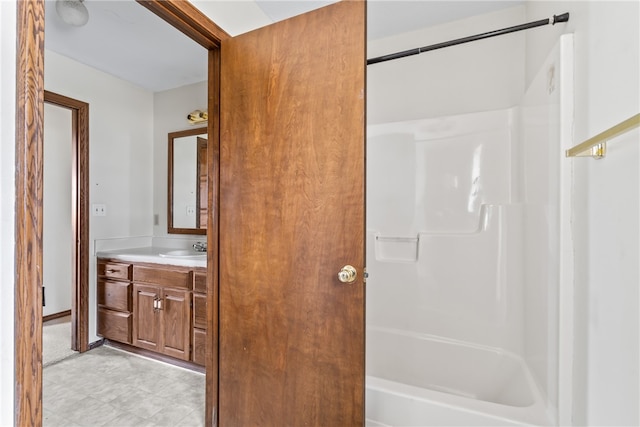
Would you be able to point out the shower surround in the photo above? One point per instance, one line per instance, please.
(464, 254)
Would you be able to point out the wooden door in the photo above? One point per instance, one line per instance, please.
(145, 315)
(176, 323)
(291, 335)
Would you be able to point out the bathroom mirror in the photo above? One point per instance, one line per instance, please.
(187, 183)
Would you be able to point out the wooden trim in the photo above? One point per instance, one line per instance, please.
(201, 175)
(187, 18)
(172, 136)
(28, 221)
(63, 101)
(54, 316)
(80, 217)
(154, 355)
(82, 212)
(213, 240)
(96, 344)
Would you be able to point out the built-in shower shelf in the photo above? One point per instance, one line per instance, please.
(397, 249)
(470, 245)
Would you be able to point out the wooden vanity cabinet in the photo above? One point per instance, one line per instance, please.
(156, 307)
(114, 301)
(162, 310)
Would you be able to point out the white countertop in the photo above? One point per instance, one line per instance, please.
(152, 254)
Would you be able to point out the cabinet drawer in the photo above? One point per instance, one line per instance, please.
(114, 270)
(114, 295)
(114, 325)
(200, 282)
(163, 277)
(200, 311)
(199, 347)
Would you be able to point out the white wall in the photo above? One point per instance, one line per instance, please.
(480, 76)
(7, 202)
(57, 239)
(606, 205)
(170, 115)
(120, 151)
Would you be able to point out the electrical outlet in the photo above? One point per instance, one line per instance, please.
(99, 210)
(191, 210)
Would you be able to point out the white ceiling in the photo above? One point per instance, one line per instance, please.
(124, 39)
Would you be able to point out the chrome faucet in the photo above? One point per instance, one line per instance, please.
(200, 246)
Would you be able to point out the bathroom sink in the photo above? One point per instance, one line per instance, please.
(183, 253)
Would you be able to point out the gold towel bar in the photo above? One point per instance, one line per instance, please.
(596, 147)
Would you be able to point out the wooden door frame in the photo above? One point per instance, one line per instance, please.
(79, 216)
(28, 187)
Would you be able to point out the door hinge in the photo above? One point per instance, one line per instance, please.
(43, 298)
(365, 275)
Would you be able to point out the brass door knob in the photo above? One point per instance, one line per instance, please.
(348, 274)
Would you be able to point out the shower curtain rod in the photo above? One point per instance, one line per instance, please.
(556, 18)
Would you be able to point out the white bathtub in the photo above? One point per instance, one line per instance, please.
(420, 380)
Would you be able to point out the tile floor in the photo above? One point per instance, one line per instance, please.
(109, 387)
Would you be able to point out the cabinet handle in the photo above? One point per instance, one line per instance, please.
(159, 303)
(111, 271)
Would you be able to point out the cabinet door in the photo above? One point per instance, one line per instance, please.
(114, 325)
(114, 295)
(199, 346)
(176, 323)
(146, 317)
(200, 311)
(114, 270)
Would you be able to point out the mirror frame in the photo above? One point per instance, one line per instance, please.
(170, 228)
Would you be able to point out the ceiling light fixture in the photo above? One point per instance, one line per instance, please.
(73, 12)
